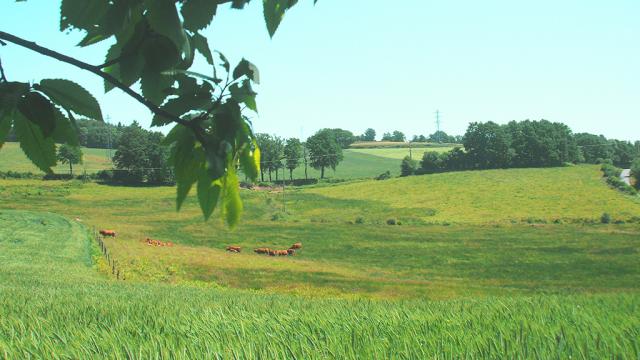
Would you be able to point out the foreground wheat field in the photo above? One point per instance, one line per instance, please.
(54, 304)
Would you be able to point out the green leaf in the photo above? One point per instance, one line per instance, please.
(245, 68)
(231, 202)
(163, 18)
(131, 68)
(197, 14)
(82, 14)
(208, 193)
(160, 54)
(250, 161)
(6, 119)
(72, 96)
(39, 110)
(239, 4)
(244, 94)
(178, 107)
(113, 70)
(274, 12)
(154, 86)
(202, 45)
(186, 159)
(92, 37)
(225, 62)
(40, 150)
(65, 131)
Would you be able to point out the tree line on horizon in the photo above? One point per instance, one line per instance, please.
(521, 144)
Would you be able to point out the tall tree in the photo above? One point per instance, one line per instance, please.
(132, 158)
(71, 155)
(369, 135)
(488, 145)
(293, 154)
(324, 151)
(396, 136)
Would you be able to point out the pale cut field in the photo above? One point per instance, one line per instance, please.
(13, 159)
(400, 153)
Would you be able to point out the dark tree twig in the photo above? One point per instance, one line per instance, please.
(2, 77)
(107, 77)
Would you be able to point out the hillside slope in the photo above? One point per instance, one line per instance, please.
(576, 193)
(13, 159)
(54, 305)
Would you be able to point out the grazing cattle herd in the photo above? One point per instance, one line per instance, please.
(152, 242)
(231, 248)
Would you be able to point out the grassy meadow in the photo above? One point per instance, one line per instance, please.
(456, 239)
(13, 159)
(55, 304)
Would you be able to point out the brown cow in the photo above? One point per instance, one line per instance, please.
(262, 250)
(235, 249)
(111, 233)
(291, 252)
(273, 252)
(296, 246)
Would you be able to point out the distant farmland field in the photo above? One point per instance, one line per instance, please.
(13, 159)
(399, 153)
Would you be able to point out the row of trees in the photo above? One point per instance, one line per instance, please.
(438, 137)
(320, 151)
(92, 134)
(524, 144)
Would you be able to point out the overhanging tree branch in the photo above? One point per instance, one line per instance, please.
(98, 71)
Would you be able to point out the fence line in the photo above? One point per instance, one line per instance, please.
(115, 271)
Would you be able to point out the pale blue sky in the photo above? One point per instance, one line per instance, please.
(390, 64)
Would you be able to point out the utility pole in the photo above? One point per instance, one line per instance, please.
(438, 125)
(108, 138)
(284, 181)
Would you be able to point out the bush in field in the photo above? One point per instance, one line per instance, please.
(408, 166)
(612, 176)
(605, 218)
(384, 176)
(635, 172)
(391, 221)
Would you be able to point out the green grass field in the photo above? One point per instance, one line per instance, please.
(456, 239)
(495, 263)
(54, 304)
(13, 159)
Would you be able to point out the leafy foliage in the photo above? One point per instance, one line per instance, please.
(155, 44)
(635, 172)
(293, 153)
(324, 150)
(141, 157)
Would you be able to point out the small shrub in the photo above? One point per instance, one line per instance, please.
(605, 218)
(359, 220)
(391, 221)
(384, 176)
